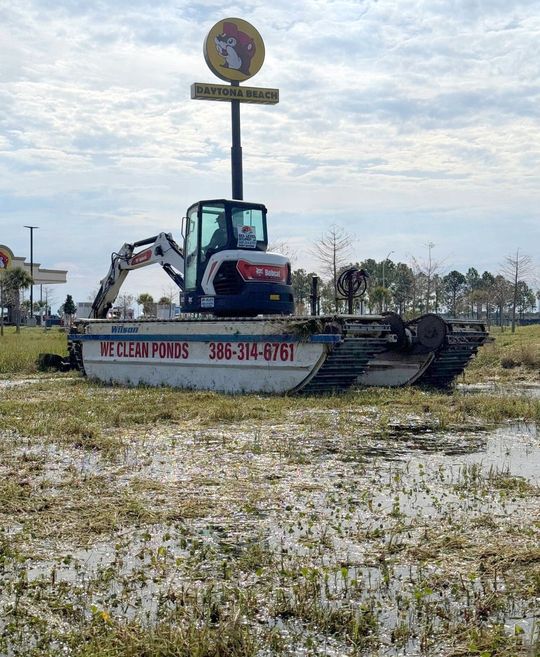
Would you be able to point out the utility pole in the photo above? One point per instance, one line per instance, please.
(32, 229)
(383, 280)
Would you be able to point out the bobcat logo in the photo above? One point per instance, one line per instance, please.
(237, 48)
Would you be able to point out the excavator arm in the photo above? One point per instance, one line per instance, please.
(161, 249)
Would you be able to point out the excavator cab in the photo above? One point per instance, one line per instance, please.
(227, 270)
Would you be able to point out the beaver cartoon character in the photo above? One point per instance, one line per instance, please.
(237, 48)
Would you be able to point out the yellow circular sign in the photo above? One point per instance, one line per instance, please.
(234, 50)
(6, 257)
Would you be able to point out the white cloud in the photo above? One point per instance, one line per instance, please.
(400, 119)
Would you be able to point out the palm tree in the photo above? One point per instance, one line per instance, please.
(15, 280)
(146, 301)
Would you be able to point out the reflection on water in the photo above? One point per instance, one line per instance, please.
(516, 389)
(402, 527)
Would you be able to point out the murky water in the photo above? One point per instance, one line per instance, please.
(390, 525)
(518, 389)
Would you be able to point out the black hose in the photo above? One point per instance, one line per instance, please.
(352, 281)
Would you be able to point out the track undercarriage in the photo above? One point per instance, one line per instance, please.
(277, 354)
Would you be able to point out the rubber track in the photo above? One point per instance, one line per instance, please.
(345, 363)
(454, 356)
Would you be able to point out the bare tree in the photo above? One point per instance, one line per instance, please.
(170, 295)
(514, 269)
(125, 303)
(333, 252)
(284, 249)
(427, 269)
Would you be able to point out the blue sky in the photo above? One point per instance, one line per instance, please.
(405, 122)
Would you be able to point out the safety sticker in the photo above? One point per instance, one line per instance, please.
(247, 238)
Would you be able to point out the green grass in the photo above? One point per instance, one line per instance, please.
(511, 357)
(86, 414)
(19, 352)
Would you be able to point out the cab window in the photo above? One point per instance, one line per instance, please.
(190, 276)
(214, 235)
(252, 217)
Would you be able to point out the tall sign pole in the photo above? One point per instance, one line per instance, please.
(236, 150)
(234, 51)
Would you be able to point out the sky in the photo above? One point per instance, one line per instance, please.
(405, 122)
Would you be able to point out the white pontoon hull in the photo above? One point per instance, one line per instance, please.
(275, 354)
(220, 355)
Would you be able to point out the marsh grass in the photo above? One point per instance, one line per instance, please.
(19, 352)
(149, 522)
(87, 415)
(220, 561)
(511, 357)
(493, 642)
(185, 634)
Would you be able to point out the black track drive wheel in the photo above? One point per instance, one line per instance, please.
(431, 331)
(397, 326)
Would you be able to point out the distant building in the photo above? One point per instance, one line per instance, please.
(165, 311)
(40, 275)
(83, 309)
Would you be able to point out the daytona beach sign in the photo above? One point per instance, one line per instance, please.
(234, 51)
(202, 91)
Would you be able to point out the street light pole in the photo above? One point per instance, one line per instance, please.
(32, 229)
(383, 280)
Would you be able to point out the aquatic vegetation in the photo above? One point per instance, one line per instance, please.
(141, 522)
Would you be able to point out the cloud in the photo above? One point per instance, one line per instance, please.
(417, 114)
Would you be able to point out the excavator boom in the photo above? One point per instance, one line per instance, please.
(161, 249)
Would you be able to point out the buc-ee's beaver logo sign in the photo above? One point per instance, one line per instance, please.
(5, 257)
(234, 50)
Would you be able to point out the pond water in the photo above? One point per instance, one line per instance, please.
(524, 389)
(403, 527)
